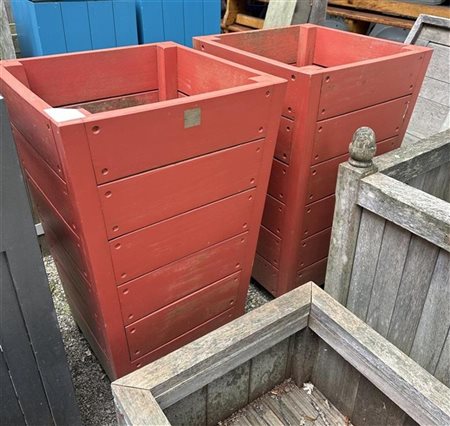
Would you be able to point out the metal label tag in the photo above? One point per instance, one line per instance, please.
(192, 117)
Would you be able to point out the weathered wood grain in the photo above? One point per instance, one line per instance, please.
(346, 220)
(191, 410)
(442, 372)
(393, 253)
(434, 323)
(280, 13)
(420, 213)
(228, 393)
(368, 246)
(436, 182)
(7, 50)
(304, 354)
(268, 369)
(137, 406)
(412, 388)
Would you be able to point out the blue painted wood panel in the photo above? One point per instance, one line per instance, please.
(101, 20)
(76, 25)
(177, 20)
(52, 27)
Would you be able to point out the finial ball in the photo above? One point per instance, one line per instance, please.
(363, 147)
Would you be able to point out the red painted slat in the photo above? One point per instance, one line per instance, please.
(45, 177)
(176, 319)
(318, 216)
(188, 337)
(333, 135)
(156, 245)
(265, 273)
(314, 248)
(134, 202)
(279, 180)
(269, 246)
(143, 139)
(284, 140)
(315, 272)
(273, 215)
(358, 86)
(82, 77)
(171, 282)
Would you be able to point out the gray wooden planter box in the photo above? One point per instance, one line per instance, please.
(290, 337)
(390, 249)
(35, 382)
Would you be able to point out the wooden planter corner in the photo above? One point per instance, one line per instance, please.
(297, 331)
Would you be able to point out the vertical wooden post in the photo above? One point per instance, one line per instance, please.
(307, 42)
(167, 71)
(7, 50)
(347, 214)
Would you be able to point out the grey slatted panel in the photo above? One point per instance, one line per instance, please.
(434, 323)
(442, 372)
(394, 250)
(368, 246)
(419, 267)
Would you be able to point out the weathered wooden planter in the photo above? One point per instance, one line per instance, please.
(290, 337)
(337, 82)
(390, 249)
(149, 166)
(36, 387)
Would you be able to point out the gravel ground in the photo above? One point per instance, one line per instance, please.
(92, 386)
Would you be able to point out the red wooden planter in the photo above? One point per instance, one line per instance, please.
(149, 166)
(337, 82)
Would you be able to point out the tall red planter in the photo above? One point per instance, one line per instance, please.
(149, 166)
(337, 82)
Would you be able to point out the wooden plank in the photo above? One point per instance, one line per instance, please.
(227, 394)
(346, 220)
(313, 249)
(415, 159)
(333, 135)
(304, 354)
(365, 262)
(143, 124)
(435, 182)
(391, 261)
(442, 371)
(249, 21)
(284, 140)
(170, 322)
(318, 216)
(429, 118)
(273, 215)
(184, 234)
(268, 369)
(191, 410)
(335, 98)
(434, 322)
(412, 388)
(145, 294)
(315, 272)
(280, 13)
(269, 246)
(398, 8)
(265, 274)
(134, 404)
(150, 197)
(412, 293)
(7, 50)
(48, 82)
(410, 208)
(199, 363)
(279, 181)
(369, 17)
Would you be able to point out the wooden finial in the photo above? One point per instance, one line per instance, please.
(362, 148)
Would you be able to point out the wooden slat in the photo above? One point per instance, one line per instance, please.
(135, 404)
(412, 388)
(150, 197)
(370, 237)
(249, 21)
(397, 8)
(190, 410)
(391, 260)
(370, 17)
(280, 13)
(185, 234)
(420, 213)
